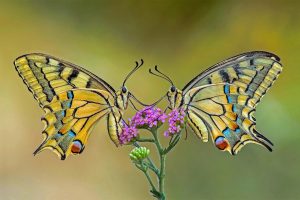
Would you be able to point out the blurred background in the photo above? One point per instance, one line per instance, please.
(183, 38)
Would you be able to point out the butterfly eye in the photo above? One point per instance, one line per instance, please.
(124, 89)
(173, 89)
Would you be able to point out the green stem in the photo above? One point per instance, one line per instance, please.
(145, 140)
(156, 141)
(150, 181)
(149, 164)
(141, 167)
(152, 166)
(161, 177)
(173, 143)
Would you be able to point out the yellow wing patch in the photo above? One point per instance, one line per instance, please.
(71, 108)
(226, 112)
(255, 75)
(222, 99)
(70, 117)
(46, 76)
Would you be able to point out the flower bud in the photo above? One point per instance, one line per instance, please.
(139, 153)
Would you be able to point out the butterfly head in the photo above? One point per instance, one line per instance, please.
(174, 95)
(122, 98)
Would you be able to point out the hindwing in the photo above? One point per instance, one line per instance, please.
(70, 117)
(73, 99)
(221, 101)
(224, 111)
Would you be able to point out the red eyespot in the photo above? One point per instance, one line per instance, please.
(221, 143)
(76, 147)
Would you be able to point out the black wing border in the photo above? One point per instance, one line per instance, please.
(96, 78)
(226, 62)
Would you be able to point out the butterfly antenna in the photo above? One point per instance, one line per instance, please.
(163, 77)
(168, 78)
(159, 100)
(137, 66)
(131, 95)
(131, 104)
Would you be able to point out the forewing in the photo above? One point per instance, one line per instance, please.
(47, 76)
(254, 72)
(224, 111)
(70, 117)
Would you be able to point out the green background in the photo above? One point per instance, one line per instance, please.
(183, 38)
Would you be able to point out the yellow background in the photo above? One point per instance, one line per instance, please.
(183, 38)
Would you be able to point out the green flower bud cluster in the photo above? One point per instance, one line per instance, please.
(139, 153)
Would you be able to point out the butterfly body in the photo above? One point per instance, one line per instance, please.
(73, 100)
(122, 97)
(175, 98)
(221, 101)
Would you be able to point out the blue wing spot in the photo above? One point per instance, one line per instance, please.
(71, 133)
(69, 104)
(229, 99)
(226, 89)
(70, 94)
(226, 132)
(227, 92)
(235, 109)
(238, 130)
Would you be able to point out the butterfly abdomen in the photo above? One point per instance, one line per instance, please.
(114, 126)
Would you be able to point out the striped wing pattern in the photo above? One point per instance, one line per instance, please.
(225, 112)
(70, 117)
(255, 72)
(221, 101)
(46, 76)
(73, 99)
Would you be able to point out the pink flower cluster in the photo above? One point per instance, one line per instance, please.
(128, 133)
(150, 117)
(147, 117)
(176, 121)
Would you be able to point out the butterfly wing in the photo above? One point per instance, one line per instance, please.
(255, 72)
(46, 76)
(225, 112)
(221, 101)
(70, 117)
(71, 108)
